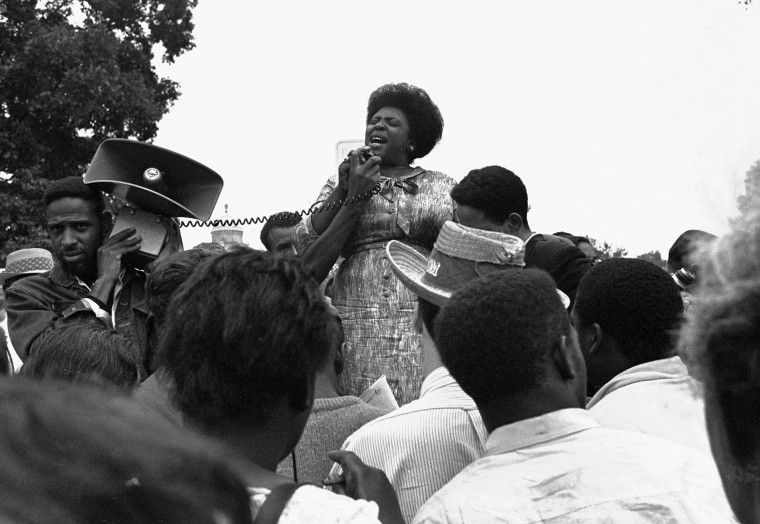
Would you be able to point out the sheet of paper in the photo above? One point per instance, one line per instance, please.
(380, 395)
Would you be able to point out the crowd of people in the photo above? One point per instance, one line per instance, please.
(412, 346)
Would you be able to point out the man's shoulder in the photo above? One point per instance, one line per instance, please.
(31, 282)
(345, 408)
(605, 468)
(47, 283)
(415, 422)
(549, 248)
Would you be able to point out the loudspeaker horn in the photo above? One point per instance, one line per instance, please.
(154, 179)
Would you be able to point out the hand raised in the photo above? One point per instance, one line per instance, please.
(111, 251)
(368, 483)
(363, 176)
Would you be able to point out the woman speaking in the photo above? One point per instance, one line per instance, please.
(410, 204)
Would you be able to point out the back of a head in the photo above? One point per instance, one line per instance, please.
(685, 245)
(494, 190)
(720, 340)
(248, 330)
(634, 301)
(84, 353)
(167, 277)
(495, 335)
(71, 453)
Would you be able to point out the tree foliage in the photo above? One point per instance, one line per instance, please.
(655, 257)
(607, 250)
(73, 73)
(748, 203)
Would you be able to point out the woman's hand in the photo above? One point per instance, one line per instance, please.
(362, 175)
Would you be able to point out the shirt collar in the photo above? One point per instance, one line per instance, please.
(538, 430)
(437, 379)
(531, 237)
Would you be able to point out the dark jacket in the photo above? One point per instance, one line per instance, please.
(564, 262)
(43, 302)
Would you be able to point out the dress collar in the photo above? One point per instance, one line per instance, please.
(538, 430)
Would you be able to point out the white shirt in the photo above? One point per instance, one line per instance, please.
(657, 398)
(423, 444)
(564, 467)
(16, 362)
(313, 504)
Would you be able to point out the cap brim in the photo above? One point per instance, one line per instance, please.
(409, 266)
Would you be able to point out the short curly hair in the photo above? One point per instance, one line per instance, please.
(494, 190)
(720, 340)
(425, 119)
(74, 187)
(495, 335)
(246, 330)
(168, 276)
(278, 220)
(636, 302)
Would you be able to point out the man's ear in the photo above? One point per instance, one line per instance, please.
(338, 362)
(514, 221)
(596, 338)
(564, 359)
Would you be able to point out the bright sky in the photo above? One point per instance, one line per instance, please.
(628, 121)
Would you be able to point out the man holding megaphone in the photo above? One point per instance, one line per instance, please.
(90, 283)
(101, 269)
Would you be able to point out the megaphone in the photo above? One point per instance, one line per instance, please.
(154, 182)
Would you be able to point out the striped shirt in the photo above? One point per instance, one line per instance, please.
(425, 443)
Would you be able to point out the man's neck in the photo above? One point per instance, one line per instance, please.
(257, 446)
(502, 412)
(524, 234)
(325, 386)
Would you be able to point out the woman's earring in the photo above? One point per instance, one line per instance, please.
(411, 148)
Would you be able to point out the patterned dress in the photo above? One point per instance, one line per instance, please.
(376, 308)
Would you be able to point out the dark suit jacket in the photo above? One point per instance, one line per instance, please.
(564, 262)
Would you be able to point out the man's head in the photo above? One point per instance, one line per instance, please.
(23, 263)
(460, 254)
(684, 252)
(492, 198)
(114, 461)
(243, 340)
(169, 275)
(165, 280)
(84, 354)
(720, 342)
(277, 233)
(77, 224)
(626, 312)
(507, 336)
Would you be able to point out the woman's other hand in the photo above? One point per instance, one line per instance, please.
(363, 175)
